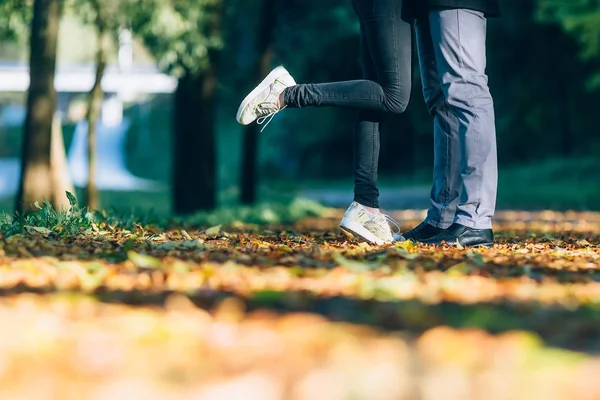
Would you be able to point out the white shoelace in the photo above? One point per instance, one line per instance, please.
(270, 109)
(393, 222)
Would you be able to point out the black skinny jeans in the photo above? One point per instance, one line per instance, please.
(386, 62)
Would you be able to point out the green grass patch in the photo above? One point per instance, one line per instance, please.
(45, 219)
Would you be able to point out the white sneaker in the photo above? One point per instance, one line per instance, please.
(263, 102)
(374, 228)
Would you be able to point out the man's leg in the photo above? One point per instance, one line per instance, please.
(446, 186)
(459, 38)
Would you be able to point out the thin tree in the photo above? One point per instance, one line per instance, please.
(95, 98)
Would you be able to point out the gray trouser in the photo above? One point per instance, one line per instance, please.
(452, 57)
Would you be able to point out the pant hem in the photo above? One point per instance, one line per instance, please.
(473, 224)
(438, 224)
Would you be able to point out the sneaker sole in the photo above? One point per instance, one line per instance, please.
(483, 245)
(359, 231)
(273, 76)
(486, 245)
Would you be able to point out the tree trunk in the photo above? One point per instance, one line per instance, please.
(94, 105)
(61, 180)
(36, 178)
(249, 177)
(194, 157)
(194, 182)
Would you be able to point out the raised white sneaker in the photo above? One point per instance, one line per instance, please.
(374, 228)
(263, 102)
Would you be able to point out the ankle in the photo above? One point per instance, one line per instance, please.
(282, 99)
(372, 210)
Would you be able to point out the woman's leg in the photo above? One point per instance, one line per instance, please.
(387, 89)
(366, 159)
(380, 37)
(379, 40)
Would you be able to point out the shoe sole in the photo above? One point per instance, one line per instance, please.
(417, 240)
(486, 245)
(357, 230)
(482, 245)
(273, 76)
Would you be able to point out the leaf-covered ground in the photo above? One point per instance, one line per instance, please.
(300, 312)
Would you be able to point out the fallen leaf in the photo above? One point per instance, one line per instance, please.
(143, 261)
(38, 229)
(213, 230)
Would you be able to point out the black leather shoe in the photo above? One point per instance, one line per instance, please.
(421, 232)
(463, 235)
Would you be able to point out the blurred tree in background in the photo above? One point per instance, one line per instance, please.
(14, 18)
(106, 17)
(581, 20)
(185, 38)
(43, 166)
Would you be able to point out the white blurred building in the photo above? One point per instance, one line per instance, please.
(122, 82)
